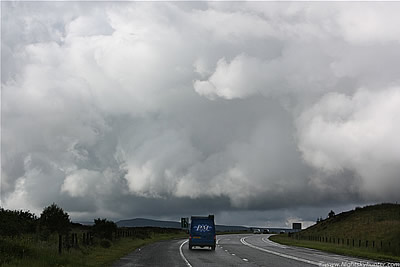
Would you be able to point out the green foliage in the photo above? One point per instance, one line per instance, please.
(103, 228)
(142, 235)
(10, 250)
(13, 222)
(105, 243)
(54, 219)
(27, 251)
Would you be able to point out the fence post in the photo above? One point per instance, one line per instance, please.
(59, 244)
(72, 239)
(67, 241)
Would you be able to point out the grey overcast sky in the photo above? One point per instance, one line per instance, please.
(262, 113)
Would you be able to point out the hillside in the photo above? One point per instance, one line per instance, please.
(371, 232)
(378, 222)
(141, 222)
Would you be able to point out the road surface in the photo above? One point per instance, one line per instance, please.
(234, 250)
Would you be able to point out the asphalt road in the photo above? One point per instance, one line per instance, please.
(234, 250)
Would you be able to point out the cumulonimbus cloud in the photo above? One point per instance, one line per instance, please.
(357, 133)
(110, 103)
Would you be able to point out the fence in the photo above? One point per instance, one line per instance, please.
(75, 240)
(72, 240)
(377, 245)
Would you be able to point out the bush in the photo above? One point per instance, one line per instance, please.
(143, 234)
(13, 222)
(105, 243)
(103, 228)
(54, 219)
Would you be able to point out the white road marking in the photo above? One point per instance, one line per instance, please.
(183, 256)
(233, 254)
(245, 259)
(273, 243)
(243, 240)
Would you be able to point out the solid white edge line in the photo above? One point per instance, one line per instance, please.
(277, 253)
(183, 256)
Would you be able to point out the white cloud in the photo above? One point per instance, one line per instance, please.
(81, 182)
(110, 101)
(238, 79)
(357, 133)
(377, 23)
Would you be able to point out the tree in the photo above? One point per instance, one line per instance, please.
(104, 228)
(54, 219)
(16, 222)
(331, 214)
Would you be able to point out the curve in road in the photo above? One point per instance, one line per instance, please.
(234, 250)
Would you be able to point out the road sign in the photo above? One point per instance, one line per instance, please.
(184, 223)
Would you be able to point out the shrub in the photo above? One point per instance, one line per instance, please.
(55, 219)
(105, 243)
(103, 228)
(13, 222)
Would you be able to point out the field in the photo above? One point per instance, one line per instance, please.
(370, 232)
(27, 250)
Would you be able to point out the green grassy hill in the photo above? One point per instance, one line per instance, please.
(374, 223)
(371, 231)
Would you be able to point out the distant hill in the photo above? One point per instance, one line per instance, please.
(375, 223)
(141, 222)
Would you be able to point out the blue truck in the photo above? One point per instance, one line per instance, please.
(202, 232)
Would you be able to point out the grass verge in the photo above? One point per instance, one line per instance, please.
(337, 249)
(34, 254)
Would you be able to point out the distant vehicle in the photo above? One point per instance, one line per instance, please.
(265, 231)
(202, 232)
(282, 232)
(256, 231)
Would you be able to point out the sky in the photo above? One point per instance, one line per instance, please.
(262, 113)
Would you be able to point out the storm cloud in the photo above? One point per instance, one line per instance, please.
(271, 111)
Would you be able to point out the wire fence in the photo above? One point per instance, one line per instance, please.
(385, 246)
